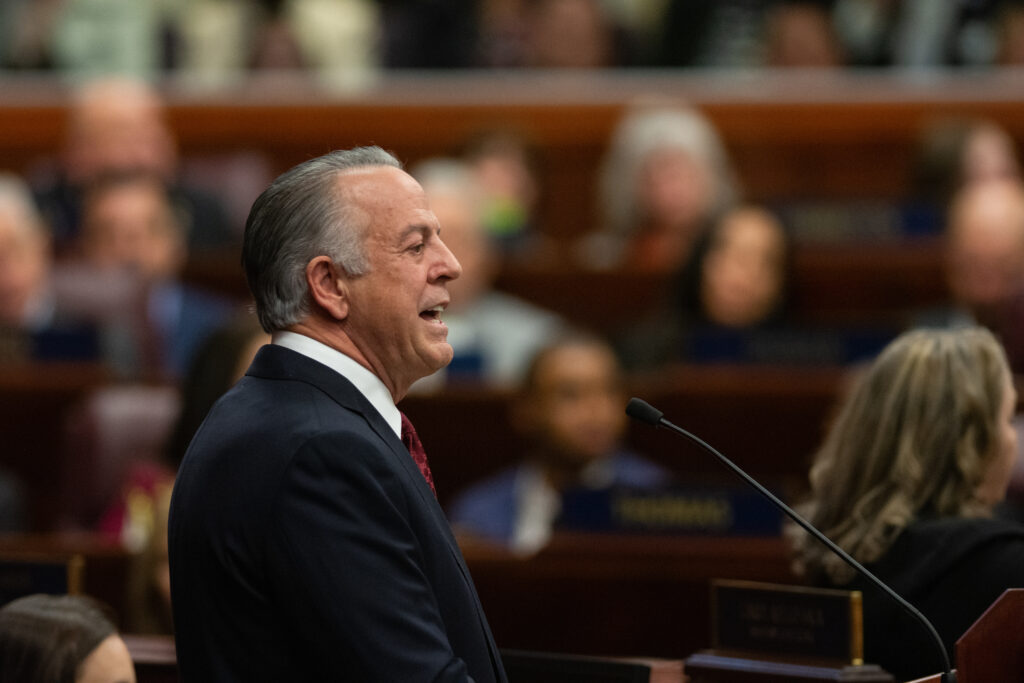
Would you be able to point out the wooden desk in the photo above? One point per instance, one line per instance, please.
(617, 596)
(35, 400)
(106, 564)
(768, 420)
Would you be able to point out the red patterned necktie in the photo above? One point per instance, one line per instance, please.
(415, 446)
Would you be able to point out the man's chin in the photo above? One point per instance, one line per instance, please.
(442, 357)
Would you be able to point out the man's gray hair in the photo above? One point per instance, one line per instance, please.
(302, 215)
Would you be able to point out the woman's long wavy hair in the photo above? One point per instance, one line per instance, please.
(912, 439)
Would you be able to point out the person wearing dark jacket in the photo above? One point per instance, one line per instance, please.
(920, 453)
(306, 542)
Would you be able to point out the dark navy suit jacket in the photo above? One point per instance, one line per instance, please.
(306, 545)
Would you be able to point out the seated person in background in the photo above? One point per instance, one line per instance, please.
(61, 639)
(665, 177)
(129, 224)
(801, 33)
(569, 34)
(493, 334)
(117, 126)
(25, 297)
(572, 407)
(34, 322)
(734, 283)
(504, 165)
(920, 452)
(984, 262)
(954, 153)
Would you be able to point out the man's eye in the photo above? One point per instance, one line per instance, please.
(417, 249)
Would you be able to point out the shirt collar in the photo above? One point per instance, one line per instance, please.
(367, 383)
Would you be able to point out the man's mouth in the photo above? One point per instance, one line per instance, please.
(433, 314)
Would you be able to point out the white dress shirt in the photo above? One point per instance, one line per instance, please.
(368, 384)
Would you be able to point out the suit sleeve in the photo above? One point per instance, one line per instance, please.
(353, 569)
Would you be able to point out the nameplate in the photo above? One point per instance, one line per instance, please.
(707, 510)
(758, 618)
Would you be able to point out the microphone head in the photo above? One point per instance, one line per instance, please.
(639, 409)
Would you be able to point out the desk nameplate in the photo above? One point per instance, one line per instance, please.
(777, 620)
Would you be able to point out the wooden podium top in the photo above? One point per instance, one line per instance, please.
(992, 649)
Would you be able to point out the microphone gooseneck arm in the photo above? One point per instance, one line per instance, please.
(643, 411)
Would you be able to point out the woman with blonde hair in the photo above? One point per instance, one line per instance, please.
(906, 481)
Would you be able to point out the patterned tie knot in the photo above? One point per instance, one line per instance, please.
(416, 450)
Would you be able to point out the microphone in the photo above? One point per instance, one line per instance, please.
(643, 411)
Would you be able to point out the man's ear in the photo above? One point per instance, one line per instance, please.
(328, 287)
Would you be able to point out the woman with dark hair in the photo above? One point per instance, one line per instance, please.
(738, 273)
(730, 294)
(61, 639)
(920, 452)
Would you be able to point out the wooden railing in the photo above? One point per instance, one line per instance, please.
(831, 136)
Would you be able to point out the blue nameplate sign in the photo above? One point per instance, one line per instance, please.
(706, 510)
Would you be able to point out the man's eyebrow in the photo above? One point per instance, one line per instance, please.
(413, 229)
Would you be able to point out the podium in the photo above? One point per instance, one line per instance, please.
(992, 649)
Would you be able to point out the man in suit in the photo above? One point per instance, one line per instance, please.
(305, 541)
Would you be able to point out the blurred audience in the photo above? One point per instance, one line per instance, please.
(984, 260)
(505, 166)
(923, 33)
(954, 152)
(130, 225)
(346, 41)
(117, 126)
(569, 34)
(570, 407)
(665, 176)
(61, 639)
(551, 34)
(37, 321)
(920, 452)
(734, 283)
(749, 34)
(438, 35)
(138, 516)
(985, 242)
(800, 33)
(1010, 32)
(334, 40)
(493, 334)
(26, 301)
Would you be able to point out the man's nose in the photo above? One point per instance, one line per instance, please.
(451, 268)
